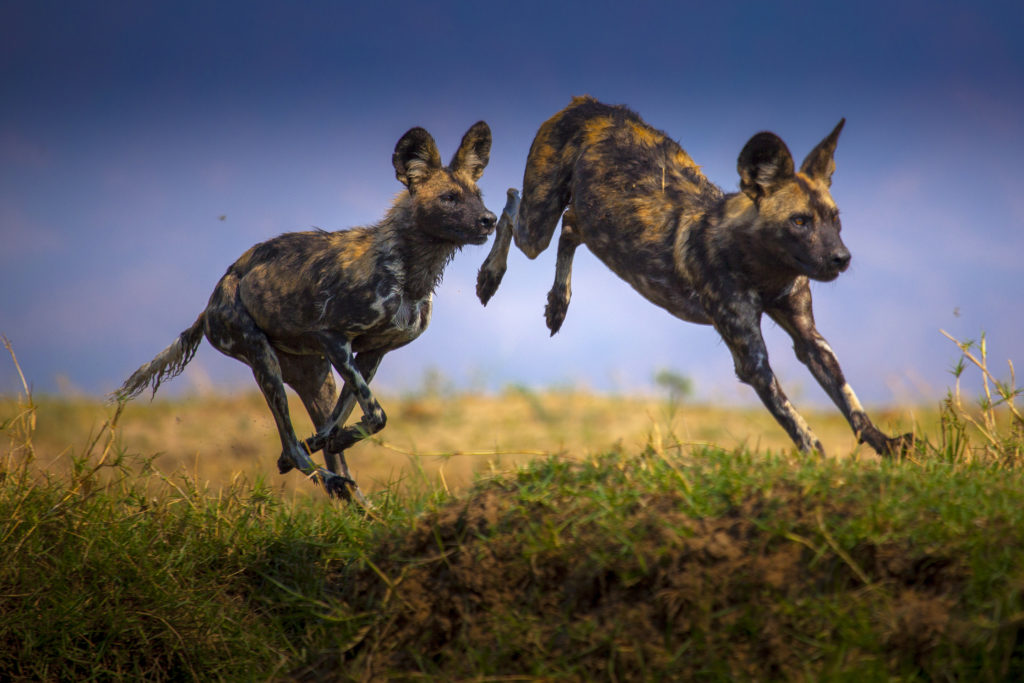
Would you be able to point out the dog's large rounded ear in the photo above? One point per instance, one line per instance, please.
(765, 164)
(415, 157)
(820, 163)
(474, 152)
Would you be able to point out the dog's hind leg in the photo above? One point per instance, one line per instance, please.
(493, 267)
(312, 380)
(267, 371)
(548, 181)
(233, 332)
(561, 290)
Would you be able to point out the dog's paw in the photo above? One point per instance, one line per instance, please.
(487, 281)
(900, 445)
(554, 312)
(888, 446)
(337, 486)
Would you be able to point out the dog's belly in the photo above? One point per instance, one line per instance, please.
(396, 325)
(651, 272)
(679, 300)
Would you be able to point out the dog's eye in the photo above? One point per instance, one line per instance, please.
(449, 197)
(800, 220)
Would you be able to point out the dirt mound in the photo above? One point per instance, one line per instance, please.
(501, 585)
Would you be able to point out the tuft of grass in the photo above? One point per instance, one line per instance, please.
(993, 430)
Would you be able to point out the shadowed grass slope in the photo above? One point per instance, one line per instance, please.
(103, 578)
(721, 564)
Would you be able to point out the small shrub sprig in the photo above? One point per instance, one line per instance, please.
(1000, 442)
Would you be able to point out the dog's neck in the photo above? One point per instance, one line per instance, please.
(730, 247)
(420, 257)
(424, 258)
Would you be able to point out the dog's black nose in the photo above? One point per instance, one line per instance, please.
(487, 220)
(840, 259)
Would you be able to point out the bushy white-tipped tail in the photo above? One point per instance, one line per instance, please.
(167, 364)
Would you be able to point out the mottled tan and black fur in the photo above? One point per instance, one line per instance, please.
(641, 205)
(297, 305)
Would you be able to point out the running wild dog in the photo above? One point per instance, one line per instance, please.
(641, 205)
(296, 305)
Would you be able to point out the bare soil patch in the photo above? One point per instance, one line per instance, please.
(739, 594)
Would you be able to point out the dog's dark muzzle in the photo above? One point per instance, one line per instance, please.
(485, 226)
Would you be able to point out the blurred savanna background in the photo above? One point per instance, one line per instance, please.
(435, 436)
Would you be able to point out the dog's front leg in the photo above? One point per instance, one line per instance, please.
(493, 268)
(742, 334)
(366, 363)
(814, 352)
(339, 351)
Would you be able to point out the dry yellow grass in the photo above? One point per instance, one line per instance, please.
(446, 439)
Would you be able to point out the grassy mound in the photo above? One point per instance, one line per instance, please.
(667, 562)
(715, 564)
(728, 565)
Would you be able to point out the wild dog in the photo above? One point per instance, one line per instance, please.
(642, 206)
(301, 303)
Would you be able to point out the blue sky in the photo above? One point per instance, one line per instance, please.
(129, 129)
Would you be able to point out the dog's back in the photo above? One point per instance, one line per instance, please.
(635, 191)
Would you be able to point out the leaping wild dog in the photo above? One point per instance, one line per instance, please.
(296, 305)
(642, 206)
